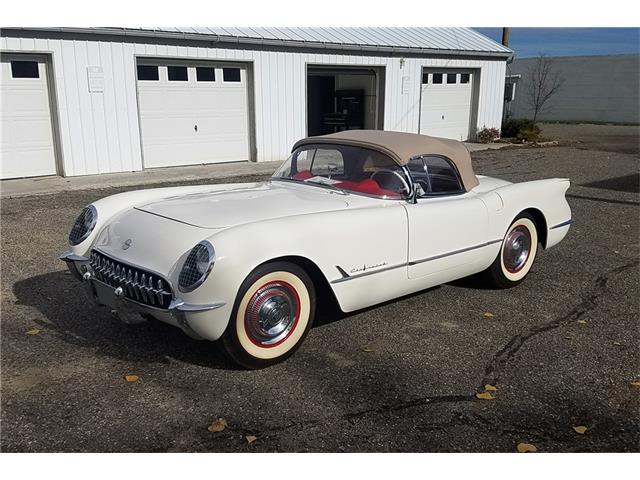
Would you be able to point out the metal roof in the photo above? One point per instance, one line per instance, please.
(448, 41)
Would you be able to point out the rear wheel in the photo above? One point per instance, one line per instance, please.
(517, 253)
(272, 315)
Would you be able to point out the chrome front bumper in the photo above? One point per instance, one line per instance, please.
(128, 310)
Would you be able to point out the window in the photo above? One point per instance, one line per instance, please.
(419, 173)
(442, 175)
(148, 72)
(464, 77)
(24, 69)
(303, 161)
(351, 169)
(327, 162)
(425, 77)
(451, 77)
(435, 175)
(231, 74)
(177, 74)
(437, 78)
(205, 74)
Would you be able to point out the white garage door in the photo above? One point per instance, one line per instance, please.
(26, 146)
(192, 113)
(445, 107)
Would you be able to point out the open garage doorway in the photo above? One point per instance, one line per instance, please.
(344, 98)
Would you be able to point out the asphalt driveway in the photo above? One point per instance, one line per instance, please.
(561, 349)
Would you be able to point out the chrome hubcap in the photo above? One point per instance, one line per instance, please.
(517, 247)
(272, 313)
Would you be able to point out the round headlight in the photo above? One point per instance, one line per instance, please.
(197, 266)
(84, 225)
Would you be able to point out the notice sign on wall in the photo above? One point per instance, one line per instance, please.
(95, 75)
(405, 84)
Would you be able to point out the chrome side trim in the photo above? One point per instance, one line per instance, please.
(414, 262)
(455, 252)
(371, 272)
(563, 224)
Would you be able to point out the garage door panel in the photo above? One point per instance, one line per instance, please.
(26, 148)
(193, 122)
(445, 109)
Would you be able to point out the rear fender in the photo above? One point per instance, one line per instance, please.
(545, 196)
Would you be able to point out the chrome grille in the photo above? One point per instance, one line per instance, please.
(137, 284)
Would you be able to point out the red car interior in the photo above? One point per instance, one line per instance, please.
(368, 186)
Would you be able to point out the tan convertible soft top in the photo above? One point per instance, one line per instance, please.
(401, 147)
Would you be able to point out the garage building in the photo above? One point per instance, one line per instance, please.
(102, 100)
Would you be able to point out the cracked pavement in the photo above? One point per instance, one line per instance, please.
(561, 349)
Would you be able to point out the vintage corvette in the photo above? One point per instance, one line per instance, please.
(367, 216)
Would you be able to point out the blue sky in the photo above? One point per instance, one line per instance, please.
(530, 42)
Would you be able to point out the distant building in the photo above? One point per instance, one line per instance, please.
(79, 101)
(600, 88)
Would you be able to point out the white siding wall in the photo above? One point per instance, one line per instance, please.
(100, 131)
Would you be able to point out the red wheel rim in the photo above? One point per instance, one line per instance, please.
(272, 314)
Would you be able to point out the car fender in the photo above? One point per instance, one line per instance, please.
(545, 196)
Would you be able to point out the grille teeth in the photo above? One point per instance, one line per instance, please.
(137, 284)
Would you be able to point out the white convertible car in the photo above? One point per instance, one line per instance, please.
(365, 215)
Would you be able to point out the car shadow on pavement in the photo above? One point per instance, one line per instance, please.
(73, 319)
(626, 183)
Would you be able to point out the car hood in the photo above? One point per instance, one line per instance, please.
(221, 208)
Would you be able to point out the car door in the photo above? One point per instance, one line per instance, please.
(447, 226)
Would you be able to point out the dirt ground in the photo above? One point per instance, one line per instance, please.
(561, 349)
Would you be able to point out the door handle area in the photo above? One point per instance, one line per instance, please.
(195, 127)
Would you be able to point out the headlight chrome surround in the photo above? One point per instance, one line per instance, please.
(83, 226)
(197, 266)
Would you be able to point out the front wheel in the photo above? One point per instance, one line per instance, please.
(517, 253)
(272, 314)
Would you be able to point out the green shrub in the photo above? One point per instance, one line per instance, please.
(531, 134)
(523, 129)
(511, 128)
(488, 135)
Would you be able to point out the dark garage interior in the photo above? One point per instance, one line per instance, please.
(343, 98)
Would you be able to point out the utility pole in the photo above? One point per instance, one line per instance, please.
(505, 36)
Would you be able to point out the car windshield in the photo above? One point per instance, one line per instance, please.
(351, 169)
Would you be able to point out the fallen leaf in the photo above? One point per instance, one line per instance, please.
(489, 388)
(616, 251)
(580, 429)
(218, 425)
(131, 378)
(33, 331)
(488, 314)
(581, 322)
(250, 439)
(484, 396)
(526, 447)
(636, 384)
(367, 349)
(618, 344)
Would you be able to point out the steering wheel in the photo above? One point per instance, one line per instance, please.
(396, 174)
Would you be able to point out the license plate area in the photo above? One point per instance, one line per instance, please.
(105, 294)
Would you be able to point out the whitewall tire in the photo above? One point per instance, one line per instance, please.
(272, 314)
(517, 253)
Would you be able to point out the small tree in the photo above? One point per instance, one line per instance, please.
(543, 83)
